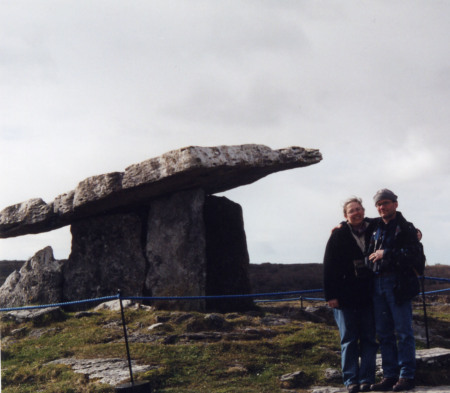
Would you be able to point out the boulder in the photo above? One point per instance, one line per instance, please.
(212, 169)
(39, 281)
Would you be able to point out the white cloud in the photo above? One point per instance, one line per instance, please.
(92, 88)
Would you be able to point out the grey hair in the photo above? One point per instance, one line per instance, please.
(350, 200)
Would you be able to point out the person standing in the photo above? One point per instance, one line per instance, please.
(392, 250)
(348, 291)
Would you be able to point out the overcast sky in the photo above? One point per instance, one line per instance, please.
(91, 87)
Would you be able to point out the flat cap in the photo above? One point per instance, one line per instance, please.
(384, 193)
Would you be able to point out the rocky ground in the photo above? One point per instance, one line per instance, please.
(113, 371)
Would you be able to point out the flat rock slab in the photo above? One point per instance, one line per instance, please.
(213, 169)
(108, 371)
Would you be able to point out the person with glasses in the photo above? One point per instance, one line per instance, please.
(392, 250)
(348, 291)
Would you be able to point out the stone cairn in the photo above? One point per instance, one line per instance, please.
(154, 230)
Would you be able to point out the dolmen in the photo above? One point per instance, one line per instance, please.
(155, 230)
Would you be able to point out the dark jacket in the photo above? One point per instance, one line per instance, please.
(401, 246)
(345, 276)
(402, 252)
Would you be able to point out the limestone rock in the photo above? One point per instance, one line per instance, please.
(175, 248)
(213, 169)
(39, 281)
(35, 315)
(227, 255)
(108, 371)
(106, 256)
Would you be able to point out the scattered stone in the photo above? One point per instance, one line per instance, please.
(237, 369)
(297, 379)
(38, 333)
(108, 371)
(35, 315)
(333, 375)
(155, 326)
(275, 321)
(21, 332)
(113, 305)
(215, 321)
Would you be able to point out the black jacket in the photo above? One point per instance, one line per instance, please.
(345, 277)
(402, 253)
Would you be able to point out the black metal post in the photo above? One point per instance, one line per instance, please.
(425, 318)
(126, 338)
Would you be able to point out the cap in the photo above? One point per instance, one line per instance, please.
(384, 194)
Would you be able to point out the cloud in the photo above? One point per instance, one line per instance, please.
(91, 88)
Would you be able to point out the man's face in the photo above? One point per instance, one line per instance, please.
(386, 209)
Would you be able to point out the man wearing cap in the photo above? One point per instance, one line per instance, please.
(391, 253)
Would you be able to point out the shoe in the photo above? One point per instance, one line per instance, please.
(404, 384)
(353, 388)
(364, 387)
(385, 385)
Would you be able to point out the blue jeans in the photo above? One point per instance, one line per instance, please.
(394, 330)
(357, 333)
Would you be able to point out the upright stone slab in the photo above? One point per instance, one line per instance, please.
(106, 256)
(175, 249)
(226, 254)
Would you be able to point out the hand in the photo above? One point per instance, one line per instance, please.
(376, 256)
(336, 227)
(333, 303)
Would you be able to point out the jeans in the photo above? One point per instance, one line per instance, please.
(394, 330)
(357, 333)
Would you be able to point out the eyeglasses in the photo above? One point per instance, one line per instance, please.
(383, 203)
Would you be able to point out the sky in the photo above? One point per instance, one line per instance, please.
(91, 87)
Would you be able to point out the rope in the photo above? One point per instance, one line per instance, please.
(170, 298)
(60, 304)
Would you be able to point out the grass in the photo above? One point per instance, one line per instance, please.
(252, 365)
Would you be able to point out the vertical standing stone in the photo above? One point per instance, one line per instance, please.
(227, 255)
(175, 249)
(106, 256)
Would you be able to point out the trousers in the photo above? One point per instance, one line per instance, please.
(358, 344)
(394, 330)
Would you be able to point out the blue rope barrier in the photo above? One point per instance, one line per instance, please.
(170, 298)
(60, 304)
(437, 279)
(249, 295)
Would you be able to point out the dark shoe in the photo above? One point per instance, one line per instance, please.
(353, 388)
(404, 384)
(364, 387)
(385, 385)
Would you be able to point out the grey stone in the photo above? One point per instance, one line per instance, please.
(332, 374)
(175, 249)
(226, 254)
(296, 379)
(36, 315)
(108, 371)
(106, 256)
(213, 169)
(39, 281)
(113, 305)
